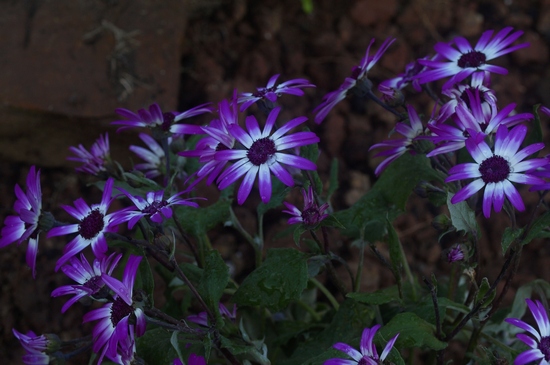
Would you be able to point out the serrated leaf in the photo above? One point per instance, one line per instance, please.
(510, 234)
(279, 280)
(537, 229)
(463, 217)
(215, 277)
(382, 296)
(413, 332)
(198, 221)
(482, 291)
(297, 234)
(155, 346)
(145, 280)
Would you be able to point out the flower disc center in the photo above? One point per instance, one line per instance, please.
(261, 150)
(95, 284)
(119, 310)
(154, 207)
(90, 226)
(544, 347)
(472, 59)
(494, 169)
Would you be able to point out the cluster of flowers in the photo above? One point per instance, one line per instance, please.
(469, 118)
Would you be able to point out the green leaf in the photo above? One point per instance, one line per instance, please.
(297, 234)
(538, 228)
(396, 253)
(382, 296)
(483, 290)
(198, 221)
(413, 332)
(535, 136)
(279, 280)
(215, 277)
(156, 346)
(510, 235)
(145, 280)
(462, 216)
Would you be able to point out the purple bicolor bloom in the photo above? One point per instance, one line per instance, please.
(36, 347)
(153, 206)
(271, 92)
(95, 160)
(154, 157)
(117, 319)
(455, 253)
(466, 60)
(397, 147)
(368, 354)
(93, 223)
(89, 278)
(261, 154)
(539, 341)
(496, 169)
(311, 215)
(25, 225)
(358, 73)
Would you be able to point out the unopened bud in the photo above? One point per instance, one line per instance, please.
(442, 223)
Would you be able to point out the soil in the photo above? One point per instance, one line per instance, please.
(57, 92)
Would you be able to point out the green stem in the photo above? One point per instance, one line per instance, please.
(315, 315)
(323, 289)
(358, 275)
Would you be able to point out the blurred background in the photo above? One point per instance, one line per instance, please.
(65, 66)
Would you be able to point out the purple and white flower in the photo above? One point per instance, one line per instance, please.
(93, 223)
(271, 92)
(154, 207)
(89, 278)
(25, 225)
(154, 157)
(94, 161)
(262, 155)
(397, 147)
(358, 73)
(466, 60)
(118, 318)
(539, 341)
(37, 347)
(368, 354)
(495, 170)
(311, 215)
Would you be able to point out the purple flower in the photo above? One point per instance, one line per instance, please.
(357, 74)
(154, 206)
(467, 60)
(87, 276)
(116, 318)
(261, 155)
(218, 138)
(94, 161)
(455, 253)
(163, 122)
(193, 360)
(409, 76)
(36, 347)
(154, 157)
(540, 344)
(368, 354)
(271, 92)
(477, 116)
(25, 225)
(496, 170)
(93, 223)
(397, 147)
(126, 349)
(311, 215)
(202, 317)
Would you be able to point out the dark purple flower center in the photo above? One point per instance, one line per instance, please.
(263, 92)
(119, 310)
(95, 284)
(363, 361)
(168, 120)
(261, 150)
(154, 207)
(221, 147)
(494, 169)
(311, 216)
(466, 98)
(544, 347)
(92, 225)
(472, 59)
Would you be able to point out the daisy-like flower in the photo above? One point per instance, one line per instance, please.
(398, 147)
(93, 223)
(466, 60)
(455, 253)
(25, 225)
(368, 354)
(117, 319)
(311, 215)
(126, 349)
(409, 76)
(478, 116)
(271, 92)
(358, 73)
(37, 347)
(262, 155)
(95, 161)
(154, 206)
(88, 277)
(154, 118)
(154, 157)
(540, 342)
(496, 170)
